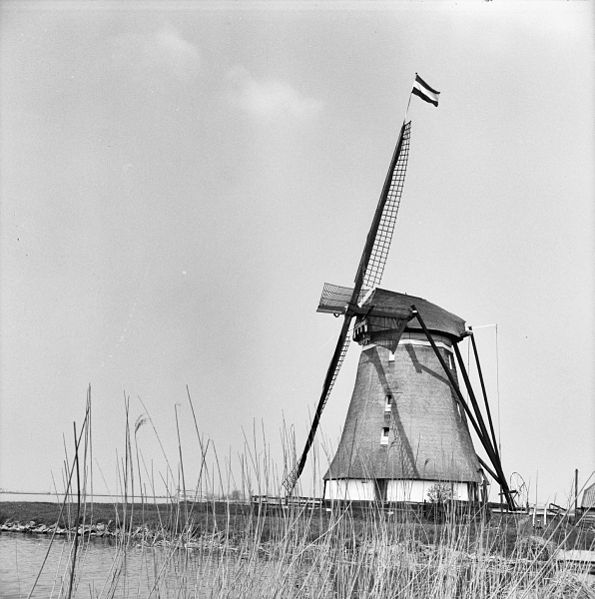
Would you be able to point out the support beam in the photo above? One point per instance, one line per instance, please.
(459, 397)
(500, 479)
(472, 398)
(487, 469)
(496, 456)
(474, 403)
(485, 395)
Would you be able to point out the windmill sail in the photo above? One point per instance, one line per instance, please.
(386, 226)
(329, 382)
(368, 275)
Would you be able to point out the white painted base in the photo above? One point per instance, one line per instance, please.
(350, 490)
(415, 491)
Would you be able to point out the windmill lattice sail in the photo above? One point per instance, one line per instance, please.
(369, 273)
(343, 345)
(388, 219)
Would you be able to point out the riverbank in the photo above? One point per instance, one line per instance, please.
(138, 520)
(154, 522)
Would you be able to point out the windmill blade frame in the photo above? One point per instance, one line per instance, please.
(390, 208)
(379, 239)
(329, 382)
(369, 274)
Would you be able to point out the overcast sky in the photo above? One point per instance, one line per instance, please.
(179, 179)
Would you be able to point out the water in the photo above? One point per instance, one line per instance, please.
(21, 557)
(106, 571)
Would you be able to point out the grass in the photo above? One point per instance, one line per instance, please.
(233, 549)
(161, 519)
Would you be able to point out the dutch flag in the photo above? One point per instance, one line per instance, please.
(424, 91)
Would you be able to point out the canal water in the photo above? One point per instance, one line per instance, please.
(100, 569)
(104, 570)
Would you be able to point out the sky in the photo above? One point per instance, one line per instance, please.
(179, 179)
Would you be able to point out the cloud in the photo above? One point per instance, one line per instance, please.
(161, 51)
(181, 55)
(270, 99)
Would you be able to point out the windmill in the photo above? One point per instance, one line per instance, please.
(406, 428)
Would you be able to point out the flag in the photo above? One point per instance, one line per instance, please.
(424, 91)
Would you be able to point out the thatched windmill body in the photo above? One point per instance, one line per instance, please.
(407, 426)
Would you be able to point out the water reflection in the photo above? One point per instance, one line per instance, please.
(106, 570)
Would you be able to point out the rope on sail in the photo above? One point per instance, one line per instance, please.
(384, 235)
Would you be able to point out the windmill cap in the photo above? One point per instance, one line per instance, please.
(381, 302)
(436, 319)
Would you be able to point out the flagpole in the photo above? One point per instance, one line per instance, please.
(409, 101)
(407, 109)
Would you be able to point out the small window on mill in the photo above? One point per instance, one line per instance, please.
(384, 436)
(388, 403)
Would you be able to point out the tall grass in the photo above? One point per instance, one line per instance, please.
(192, 547)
